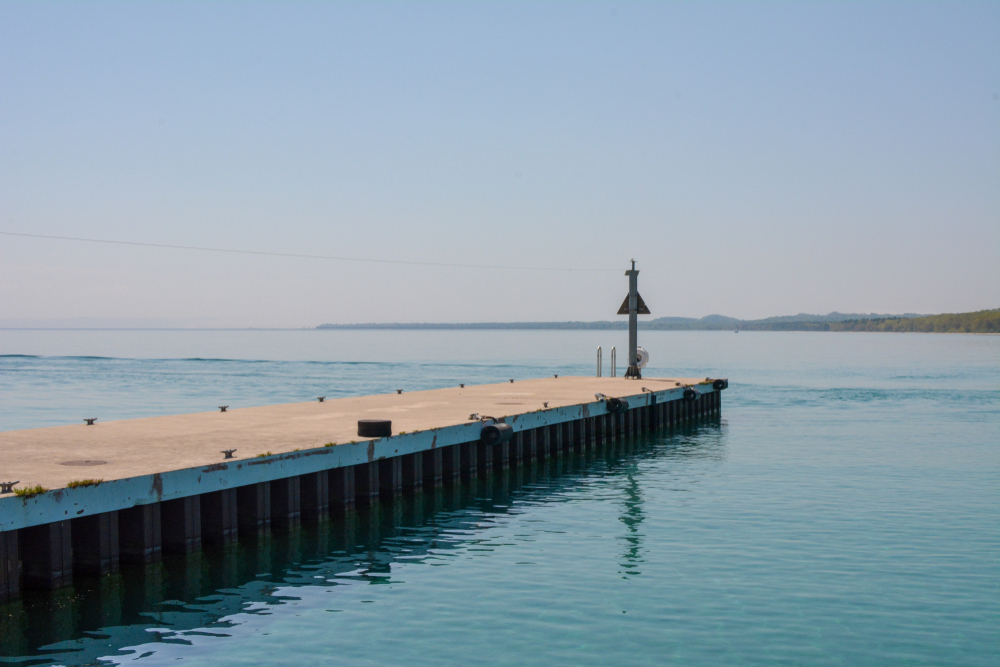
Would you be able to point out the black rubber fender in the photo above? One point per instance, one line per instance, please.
(374, 428)
(720, 384)
(617, 405)
(496, 433)
(690, 395)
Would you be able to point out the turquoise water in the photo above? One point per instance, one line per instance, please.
(845, 510)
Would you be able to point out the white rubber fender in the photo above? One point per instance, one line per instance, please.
(641, 357)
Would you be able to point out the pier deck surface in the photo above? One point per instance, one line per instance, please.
(151, 445)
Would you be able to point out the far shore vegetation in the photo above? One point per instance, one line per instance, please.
(983, 321)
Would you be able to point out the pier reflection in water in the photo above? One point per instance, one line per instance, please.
(175, 601)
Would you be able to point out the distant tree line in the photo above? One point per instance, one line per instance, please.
(983, 321)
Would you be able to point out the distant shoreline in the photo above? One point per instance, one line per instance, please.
(389, 328)
(979, 322)
(984, 321)
(158, 328)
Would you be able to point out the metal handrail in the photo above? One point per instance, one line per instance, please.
(614, 364)
(598, 361)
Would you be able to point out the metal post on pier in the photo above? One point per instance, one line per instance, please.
(633, 306)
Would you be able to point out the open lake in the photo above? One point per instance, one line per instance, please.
(845, 510)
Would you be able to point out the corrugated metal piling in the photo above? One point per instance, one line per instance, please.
(166, 490)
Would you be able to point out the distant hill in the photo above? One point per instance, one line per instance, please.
(983, 321)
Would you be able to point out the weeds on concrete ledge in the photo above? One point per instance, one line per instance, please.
(260, 456)
(30, 491)
(83, 482)
(297, 449)
(330, 444)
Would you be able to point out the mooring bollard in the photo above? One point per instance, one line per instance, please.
(8, 487)
(223, 408)
(228, 453)
(90, 422)
(321, 398)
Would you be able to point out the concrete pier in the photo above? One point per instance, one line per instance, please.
(165, 487)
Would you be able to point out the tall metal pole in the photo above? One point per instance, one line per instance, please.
(633, 323)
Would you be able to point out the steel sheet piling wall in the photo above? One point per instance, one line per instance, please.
(390, 473)
(219, 511)
(10, 567)
(254, 508)
(180, 525)
(46, 554)
(315, 493)
(366, 481)
(286, 501)
(433, 468)
(139, 534)
(451, 463)
(96, 550)
(413, 470)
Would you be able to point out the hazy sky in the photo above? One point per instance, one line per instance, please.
(755, 159)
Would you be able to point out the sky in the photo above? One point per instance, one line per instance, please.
(754, 158)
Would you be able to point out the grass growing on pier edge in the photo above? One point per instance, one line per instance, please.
(83, 482)
(30, 491)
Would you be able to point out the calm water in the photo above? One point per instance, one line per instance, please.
(844, 511)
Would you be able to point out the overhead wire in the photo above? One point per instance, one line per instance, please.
(268, 253)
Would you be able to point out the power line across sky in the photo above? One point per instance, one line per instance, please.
(266, 253)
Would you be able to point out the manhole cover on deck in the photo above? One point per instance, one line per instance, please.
(83, 462)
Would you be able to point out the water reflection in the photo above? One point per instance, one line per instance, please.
(190, 595)
(632, 517)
